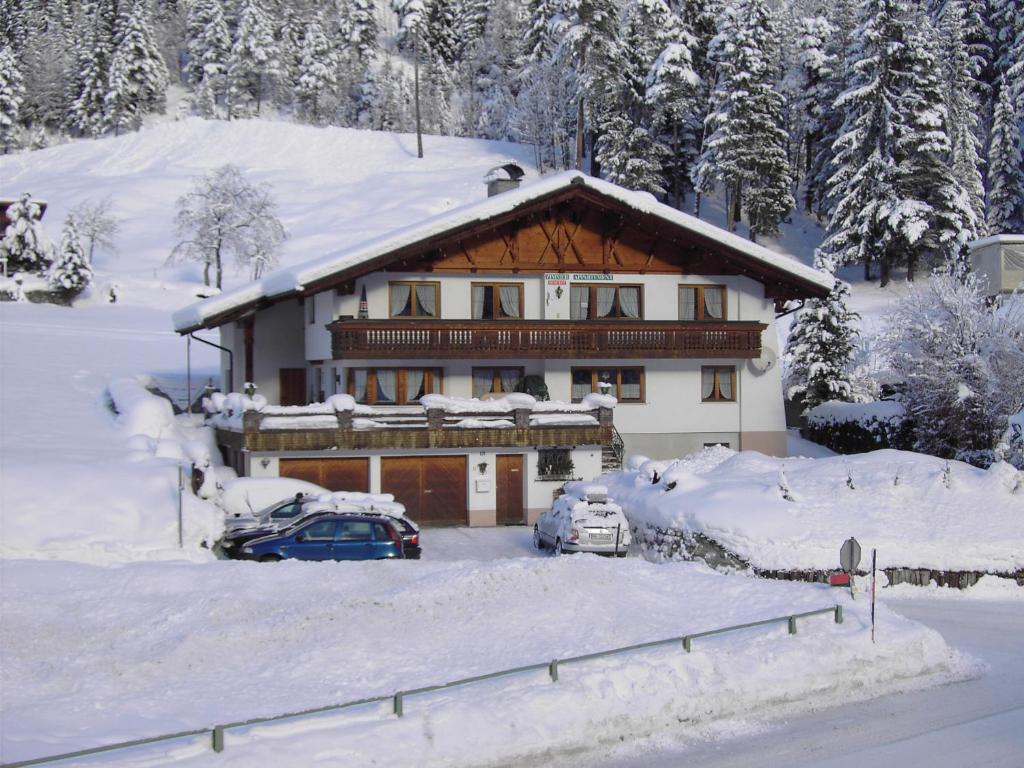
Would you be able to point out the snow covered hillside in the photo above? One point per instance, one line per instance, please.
(334, 186)
(793, 513)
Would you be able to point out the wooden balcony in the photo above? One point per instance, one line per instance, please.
(626, 339)
(412, 428)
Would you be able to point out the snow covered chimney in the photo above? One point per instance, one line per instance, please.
(502, 178)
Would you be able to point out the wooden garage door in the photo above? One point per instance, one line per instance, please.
(332, 474)
(432, 488)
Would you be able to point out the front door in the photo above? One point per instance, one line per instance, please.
(293, 386)
(510, 490)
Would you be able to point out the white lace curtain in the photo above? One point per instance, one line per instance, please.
(385, 386)
(483, 380)
(509, 295)
(713, 303)
(509, 379)
(707, 383)
(479, 297)
(630, 385)
(579, 299)
(605, 300)
(725, 383)
(687, 303)
(413, 384)
(426, 296)
(629, 301)
(359, 385)
(400, 297)
(581, 385)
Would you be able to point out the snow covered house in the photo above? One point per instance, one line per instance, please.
(571, 280)
(999, 263)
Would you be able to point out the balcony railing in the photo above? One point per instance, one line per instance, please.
(377, 339)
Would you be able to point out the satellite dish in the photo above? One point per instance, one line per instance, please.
(765, 362)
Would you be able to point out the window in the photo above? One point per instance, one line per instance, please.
(380, 532)
(310, 310)
(702, 302)
(392, 386)
(321, 531)
(718, 383)
(318, 384)
(415, 299)
(356, 530)
(718, 444)
(554, 464)
(497, 301)
(624, 384)
(605, 302)
(498, 380)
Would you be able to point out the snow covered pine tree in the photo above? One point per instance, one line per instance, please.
(71, 273)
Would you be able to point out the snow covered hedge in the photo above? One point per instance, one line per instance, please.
(750, 510)
(859, 427)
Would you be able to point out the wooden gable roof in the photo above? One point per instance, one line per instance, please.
(579, 224)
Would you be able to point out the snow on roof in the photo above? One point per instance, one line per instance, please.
(292, 280)
(1007, 239)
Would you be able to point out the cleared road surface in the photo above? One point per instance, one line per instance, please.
(978, 722)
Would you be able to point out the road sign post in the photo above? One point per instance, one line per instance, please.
(849, 559)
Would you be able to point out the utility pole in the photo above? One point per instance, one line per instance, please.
(416, 89)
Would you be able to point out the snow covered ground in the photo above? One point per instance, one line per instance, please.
(792, 514)
(976, 722)
(98, 654)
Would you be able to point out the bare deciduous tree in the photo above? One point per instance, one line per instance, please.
(97, 225)
(224, 215)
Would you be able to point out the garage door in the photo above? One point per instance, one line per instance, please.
(332, 474)
(432, 488)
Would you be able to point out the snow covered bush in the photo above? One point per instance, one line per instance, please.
(961, 362)
(859, 427)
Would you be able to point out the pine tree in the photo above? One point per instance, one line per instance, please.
(471, 18)
(362, 35)
(962, 70)
(1005, 168)
(489, 75)
(412, 18)
(208, 45)
(23, 244)
(745, 148)
(629, 156)
(71, 273)
(926, 178)
(671, 92)
(821, 345)
(541, 117)
(440, 31)
(316, 88)
(11, 94)
(253, 65)
(138, 75)
(87, 114)
(871, 221)
(539, 41)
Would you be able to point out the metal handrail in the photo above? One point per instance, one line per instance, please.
(398, 698)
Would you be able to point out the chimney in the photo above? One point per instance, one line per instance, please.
(502, 178)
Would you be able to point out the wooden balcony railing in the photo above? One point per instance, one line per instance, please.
(628, 339)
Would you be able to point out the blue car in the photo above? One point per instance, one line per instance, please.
(330, 537)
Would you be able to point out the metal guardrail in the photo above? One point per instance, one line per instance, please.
(397, 699)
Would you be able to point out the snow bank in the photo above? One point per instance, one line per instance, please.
(135, 628)
(793, 514)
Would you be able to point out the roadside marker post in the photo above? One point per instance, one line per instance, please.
(874, 553)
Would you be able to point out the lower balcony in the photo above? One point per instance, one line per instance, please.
(626, 339)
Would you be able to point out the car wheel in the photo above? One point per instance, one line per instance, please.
(538, 543)
(558, 547)
(270, 559)
(621, 554)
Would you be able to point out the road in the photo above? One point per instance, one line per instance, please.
(977, 722)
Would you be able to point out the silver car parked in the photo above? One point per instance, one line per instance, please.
(583, 519)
